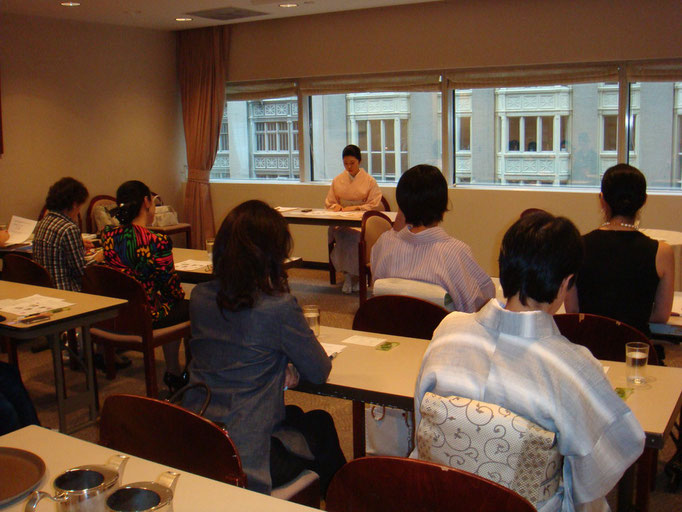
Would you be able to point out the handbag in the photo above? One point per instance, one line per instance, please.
(388, 431)
(165, 216)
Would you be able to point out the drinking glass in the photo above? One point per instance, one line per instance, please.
(312, 316)
(636, 358)
(209, 248)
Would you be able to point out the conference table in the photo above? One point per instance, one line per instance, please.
(200, 269)
(322, 217)
(192, 492)
(365, 375)
(85, 310)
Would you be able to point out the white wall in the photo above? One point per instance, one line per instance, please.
(96, 102)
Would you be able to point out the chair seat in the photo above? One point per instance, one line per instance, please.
(172, 331)
(303, 489)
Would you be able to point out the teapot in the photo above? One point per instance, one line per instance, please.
(84, 488)
(145, 496)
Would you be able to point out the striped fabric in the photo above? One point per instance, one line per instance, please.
(58, 247)
(521, 362)
(433, 256)
(148, 257)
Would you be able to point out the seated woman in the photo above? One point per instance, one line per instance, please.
(57, 244)
(352, 190)
(423, 251)
(16, 408)
(625, 275)
(249, 343)
(148, 257)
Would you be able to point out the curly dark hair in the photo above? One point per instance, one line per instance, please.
(249, 253)
(63, 194)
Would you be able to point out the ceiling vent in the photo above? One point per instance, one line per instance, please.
(227, 13)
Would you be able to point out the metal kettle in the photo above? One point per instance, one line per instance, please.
(145, 496)
(84, 488)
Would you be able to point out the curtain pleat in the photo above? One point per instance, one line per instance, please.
(202, 68)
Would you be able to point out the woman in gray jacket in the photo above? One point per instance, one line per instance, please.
(250, 342)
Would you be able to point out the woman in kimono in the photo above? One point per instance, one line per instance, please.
(352, 190)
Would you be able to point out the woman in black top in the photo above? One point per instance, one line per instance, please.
(625, 274)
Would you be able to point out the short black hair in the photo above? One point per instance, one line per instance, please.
(422, 195)
(249, 253)
(63, 194)
(352, 150)
(624, 189)
(538, 252)
(129, 200)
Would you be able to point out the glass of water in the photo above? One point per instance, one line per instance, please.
(636, 358)
(312, 316)
(209, 248)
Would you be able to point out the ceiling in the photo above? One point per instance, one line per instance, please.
(161, 14)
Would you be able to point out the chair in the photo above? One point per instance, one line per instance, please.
(374, 224)
(97, 217)
(332, 271)
(132, 329)
(399, 315)
(373, 484)
(605, 337)
(19, 268)
(169, 434)
(492, 442)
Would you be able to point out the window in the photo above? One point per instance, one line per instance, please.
(561, 134)
(394, 131)
(258, 140)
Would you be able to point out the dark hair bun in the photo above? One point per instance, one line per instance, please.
(624, 190)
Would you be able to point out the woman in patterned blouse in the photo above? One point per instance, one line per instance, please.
(148, 257)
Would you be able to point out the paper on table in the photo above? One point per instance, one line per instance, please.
(192, 265)
(20, 230)
(285, 208)
(32, 305)
(367, 341)
(332, 349)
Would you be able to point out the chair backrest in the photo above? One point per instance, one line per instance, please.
(385, 204)
(605, 337)
(374, 224)
(21, 269)
(135, 316)
(97, 217)
(373, 484)
(399, 316)
(492, 442)
(168, 434)
(429, 292)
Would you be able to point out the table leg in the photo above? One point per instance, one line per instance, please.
(358, 429)
(644, 466)
(53, 341)
(91, 382)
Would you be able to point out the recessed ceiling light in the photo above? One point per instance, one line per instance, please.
(287, 5)
(70, 4)
(183, 19)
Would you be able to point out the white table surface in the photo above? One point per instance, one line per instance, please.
(193, 493)
(320, 216)
(380, 377)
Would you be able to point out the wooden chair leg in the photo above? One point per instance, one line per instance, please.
(150, 372)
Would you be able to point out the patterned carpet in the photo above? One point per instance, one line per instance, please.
(337, 310)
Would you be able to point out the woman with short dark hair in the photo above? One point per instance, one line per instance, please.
(626, 275)
(148, 257)
(423, 251)
(58, 245)
(249, 343)
(352, 190)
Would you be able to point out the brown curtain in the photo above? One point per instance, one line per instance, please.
(202, 68)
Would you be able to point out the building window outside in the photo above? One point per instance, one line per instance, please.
(562, 135)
